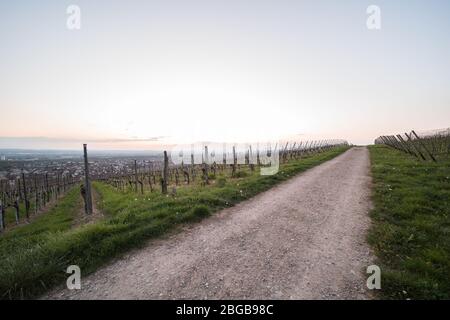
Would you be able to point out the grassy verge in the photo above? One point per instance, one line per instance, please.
(22, 247)
(30, 266)
(411, 225)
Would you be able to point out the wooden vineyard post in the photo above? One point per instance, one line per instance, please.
(192, 165)
(16, 207)
(165, 174)
(314, 149)
(283, 153)
(322, 145)
(305, 149)
(294, 150)
(206, 155)
(385, 140)
(205, 167)
(150, 177)
(214, 168)
(402, 141)
(141, 183)
(291, 150)
(135, 177)
(415, 147)
(233, 172)
(58, 183)
(19, 188)
(394, 143)
(25, 196)
(398, 144)
(186, 176)
(2, 217)
(47, 190)
(250, 158)
(300, 149)
(424, 146)
(87, 182)
(224, 158)
(36, 195)
(177, 177)
(388, 141)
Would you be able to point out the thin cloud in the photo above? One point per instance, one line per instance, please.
(70, 143)
(71, 140)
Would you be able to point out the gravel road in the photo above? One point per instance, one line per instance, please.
(303, 239)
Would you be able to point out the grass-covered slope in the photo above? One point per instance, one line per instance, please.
(24, 250)
(411, 225)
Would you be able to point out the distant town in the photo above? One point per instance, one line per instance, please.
(70, 163)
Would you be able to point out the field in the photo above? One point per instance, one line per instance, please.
(34, 256)
(409, 232)
(411, 224)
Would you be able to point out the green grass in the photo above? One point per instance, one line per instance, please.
(10, 212)
(411, 225)
(22, 247)
(35, 257)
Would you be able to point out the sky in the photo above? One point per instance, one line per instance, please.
(145, 74)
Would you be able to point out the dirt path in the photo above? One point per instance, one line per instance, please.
(304, 239)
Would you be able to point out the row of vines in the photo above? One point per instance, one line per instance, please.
(32, 193)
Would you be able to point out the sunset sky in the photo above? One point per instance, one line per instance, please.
(143, 73)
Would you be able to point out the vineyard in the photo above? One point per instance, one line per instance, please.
(29, 195)
(163, 174)
(426, 145)
(22, 198)
(143, 200)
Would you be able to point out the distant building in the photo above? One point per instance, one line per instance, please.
(3, 158)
